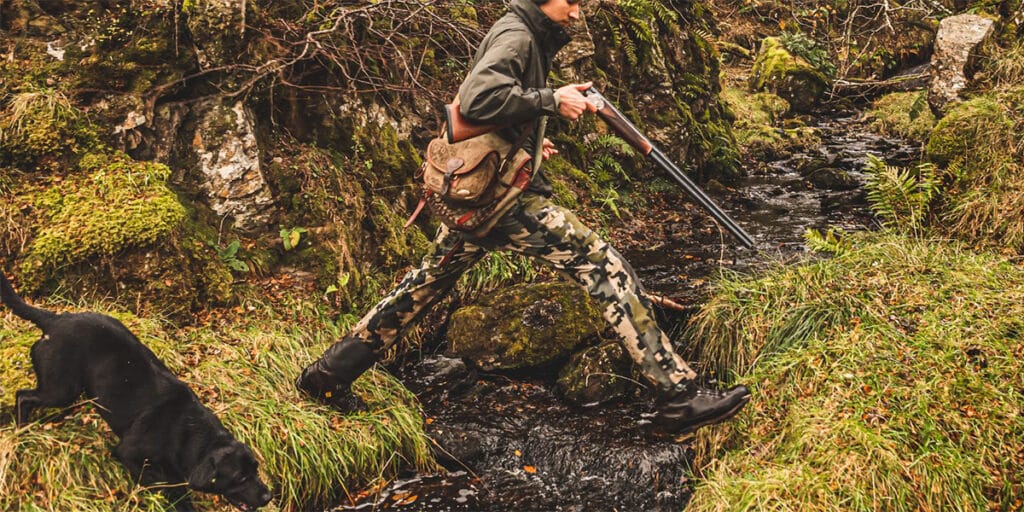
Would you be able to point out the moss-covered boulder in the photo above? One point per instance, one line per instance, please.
(597, 374)
(115, 229)
(524, 326)
(977, 146)
(761, 131)
(778, 71)
(974, 130)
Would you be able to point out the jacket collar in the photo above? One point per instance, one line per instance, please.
(550, 35)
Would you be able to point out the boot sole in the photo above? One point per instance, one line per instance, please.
(716, 419)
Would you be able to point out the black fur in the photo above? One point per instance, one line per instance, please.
(166, 435)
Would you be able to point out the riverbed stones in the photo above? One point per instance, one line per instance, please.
(596, 375)
(957, 45)
(524, 326)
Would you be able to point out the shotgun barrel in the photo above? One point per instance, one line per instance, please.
(629, 132)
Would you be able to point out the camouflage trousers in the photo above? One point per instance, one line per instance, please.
(538, 228)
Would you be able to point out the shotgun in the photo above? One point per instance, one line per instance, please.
(625, 129)
(458, 128)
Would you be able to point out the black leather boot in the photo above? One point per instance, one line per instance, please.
(691, 406)
(329, 379)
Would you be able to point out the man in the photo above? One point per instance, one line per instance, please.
(507, 86)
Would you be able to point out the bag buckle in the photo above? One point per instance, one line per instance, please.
(453, 165)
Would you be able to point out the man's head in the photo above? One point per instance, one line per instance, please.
(563, 12)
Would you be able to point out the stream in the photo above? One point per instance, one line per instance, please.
(518, 447)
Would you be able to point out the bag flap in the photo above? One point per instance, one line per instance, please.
(470, 151)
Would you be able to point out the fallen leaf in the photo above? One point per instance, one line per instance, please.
(530, 469)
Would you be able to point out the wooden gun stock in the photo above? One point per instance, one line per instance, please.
(457, 128)
(618, 122)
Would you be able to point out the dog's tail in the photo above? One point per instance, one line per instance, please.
(40, 317)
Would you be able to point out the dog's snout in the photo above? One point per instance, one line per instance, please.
(265, 498)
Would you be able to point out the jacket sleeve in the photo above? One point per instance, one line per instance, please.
(493, 93)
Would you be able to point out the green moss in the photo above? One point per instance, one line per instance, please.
(758, 125)
(388, 160)
(902, 114)
(397, 246)
(778, 71)
(524, 326)
(976, 131)
(41, 130)
(977, 145)
(118, 204)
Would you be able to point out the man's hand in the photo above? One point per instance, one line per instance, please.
(573, 102)
(548, 149)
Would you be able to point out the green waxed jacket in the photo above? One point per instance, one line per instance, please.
(507, 81)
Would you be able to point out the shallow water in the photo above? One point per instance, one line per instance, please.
(532, 451)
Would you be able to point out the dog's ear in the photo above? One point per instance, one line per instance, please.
(204, 475)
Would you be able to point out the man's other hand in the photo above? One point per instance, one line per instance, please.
(548, 149)
(572, 101)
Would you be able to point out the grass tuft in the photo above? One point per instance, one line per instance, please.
(885, 378)
(311, 456)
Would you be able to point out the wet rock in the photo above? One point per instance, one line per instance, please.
(792, 78)
(596, 375)
(524, 326)
(832, 178)
(445, 368)
(229, 159)
(454, 448)
(956, 45)
(808, 165)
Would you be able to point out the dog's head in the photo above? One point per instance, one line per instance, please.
(231, 471)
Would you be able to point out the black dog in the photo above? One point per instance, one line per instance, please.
(166, 435)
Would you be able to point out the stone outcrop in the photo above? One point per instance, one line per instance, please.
(524, 326)
(229, 161)
(956, 46)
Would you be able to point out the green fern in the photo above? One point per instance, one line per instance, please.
(901, 197)
(832, 241)
(605, 162)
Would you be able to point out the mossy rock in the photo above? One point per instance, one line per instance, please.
(118, 230)
(760, 129)
(794, 79)
(596, 375)
(977, 146)
(41, 130)
(975, 130)
(524, 326)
